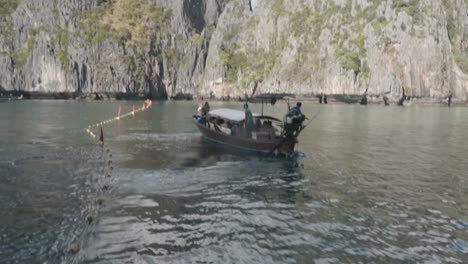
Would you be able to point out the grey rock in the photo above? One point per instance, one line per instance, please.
(234, 48)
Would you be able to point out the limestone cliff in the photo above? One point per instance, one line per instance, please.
(236, 47)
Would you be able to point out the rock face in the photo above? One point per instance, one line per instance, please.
(236, 48)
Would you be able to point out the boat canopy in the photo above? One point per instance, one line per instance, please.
(229, 114)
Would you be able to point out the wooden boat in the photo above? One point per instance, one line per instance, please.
(8, 99)
(226, 126)
(19, 98)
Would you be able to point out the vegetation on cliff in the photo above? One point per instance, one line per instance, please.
(132, 21)
(367, 39)
(228, 47)
(8, 6)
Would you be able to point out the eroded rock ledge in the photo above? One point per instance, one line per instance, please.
(163, 49)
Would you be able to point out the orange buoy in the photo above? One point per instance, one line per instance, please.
(73, 248)
(99, 200)
(101, 138)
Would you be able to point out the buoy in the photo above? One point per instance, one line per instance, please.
(101, 138)
(133, 110)
(89, 219)
(73, 248)
(99, 200)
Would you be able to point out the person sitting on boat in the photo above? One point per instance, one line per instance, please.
(202, 112)
(198, 117)
(248, 122)
(205, 109)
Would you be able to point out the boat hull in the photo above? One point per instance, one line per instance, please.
(277, 145)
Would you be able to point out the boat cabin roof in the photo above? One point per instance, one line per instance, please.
(234, 115)
(229, 114)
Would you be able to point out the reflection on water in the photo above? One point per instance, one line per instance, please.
(374, 184)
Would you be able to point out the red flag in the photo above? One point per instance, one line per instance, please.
(101, 138)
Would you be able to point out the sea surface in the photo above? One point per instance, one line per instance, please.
(368, 184)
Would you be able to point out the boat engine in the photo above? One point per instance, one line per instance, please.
(292, 125)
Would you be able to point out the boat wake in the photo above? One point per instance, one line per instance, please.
(157, 137)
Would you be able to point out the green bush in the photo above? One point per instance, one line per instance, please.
(452, 28)
(379, 23)
(6, 29)
(140, 17)
(301, 22)
(253, 65)
(360, 43)
(62, 56)
(196, 40)
(277, 7)
(428, 11)
(233, 61)
(122, 37)
(365, 71)
(62, 36)
(231, 33)
(411, 7)
(20, 58)
(8, 6)
(349, 61)
(461, 60)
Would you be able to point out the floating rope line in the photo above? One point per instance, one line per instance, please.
(146, 104)
(73, 248)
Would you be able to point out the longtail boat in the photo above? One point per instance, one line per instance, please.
(269, 134)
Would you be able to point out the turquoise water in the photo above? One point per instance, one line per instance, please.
(370, 184)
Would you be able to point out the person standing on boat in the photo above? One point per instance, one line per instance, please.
(296, 110)
(297, 113)
(294, 120)
(205, 109)
(248, 122)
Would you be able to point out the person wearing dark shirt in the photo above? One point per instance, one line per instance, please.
(205, 109)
